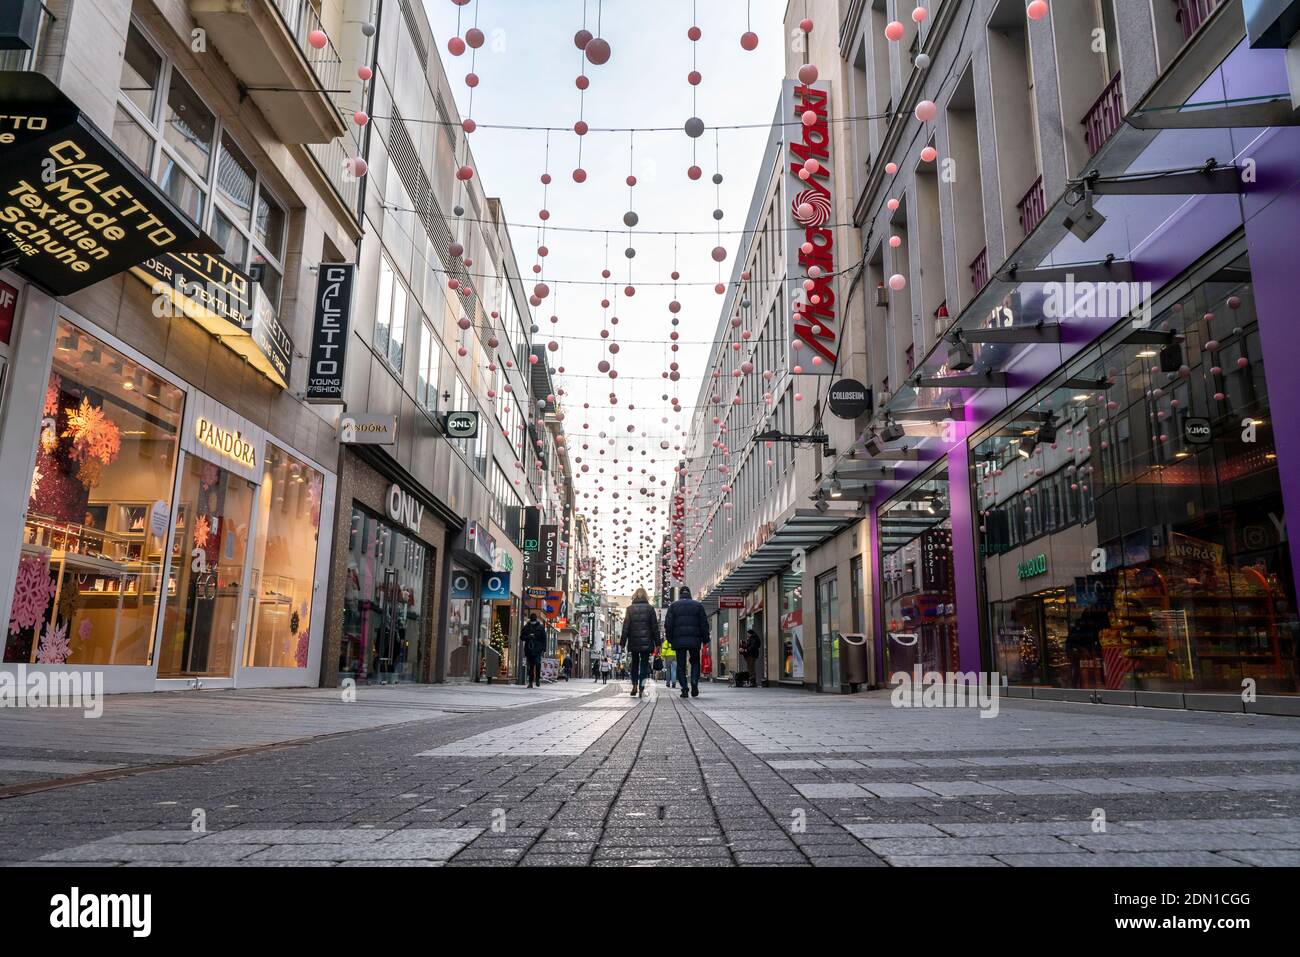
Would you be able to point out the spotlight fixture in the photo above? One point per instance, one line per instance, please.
(960, 354)
(837, 490)
(1046, 432)
(821, 505)
(1026, 448)
(1084, 223)
(891, 432)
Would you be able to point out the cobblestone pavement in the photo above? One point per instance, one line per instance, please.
(585, 775)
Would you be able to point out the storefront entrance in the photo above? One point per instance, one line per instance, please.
(385, 603)
(207, 587)
(916, 587)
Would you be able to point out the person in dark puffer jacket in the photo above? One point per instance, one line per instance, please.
(640, 637)
(686, 625)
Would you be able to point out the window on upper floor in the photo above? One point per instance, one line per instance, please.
(171, 134)
(390, 315)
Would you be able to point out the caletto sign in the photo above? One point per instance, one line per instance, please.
(810, 224)
(329, 336)
(73, 208)
(404, 507)
(203, 286)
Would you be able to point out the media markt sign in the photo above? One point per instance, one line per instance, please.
(73, 209)
(810, 216)
(1032, 568)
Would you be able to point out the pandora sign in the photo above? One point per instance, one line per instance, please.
(810, 257)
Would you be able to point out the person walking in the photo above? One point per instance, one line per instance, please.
(640, 638)
(751, 649)
(533, 639)
(606, 666)
(670, 662)
(567, 667)
(687, 628)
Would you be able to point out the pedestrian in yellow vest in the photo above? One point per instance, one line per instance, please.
(669, 656)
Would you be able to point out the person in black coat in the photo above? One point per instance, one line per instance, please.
(533, 640)
(640, 637)
(686, 626)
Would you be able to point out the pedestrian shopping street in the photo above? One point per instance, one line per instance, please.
(578, 773)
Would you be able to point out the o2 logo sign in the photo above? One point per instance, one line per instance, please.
(460, 585)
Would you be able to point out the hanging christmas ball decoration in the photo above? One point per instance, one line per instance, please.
(465, 173)
(579, 175)
(597, 51)
(367, 29)
(580, 127)
(808, 74)
(474, 38)
(929, 154)
(891, 168)
(694, 78)
(926, 111)
(455, 46)
(317, 39)
(364, 73)
(749, 40)
(719, 254)
(1037, 9)
(694, 127)
(694, 172)
(897, 281)
(922, 61)
(919, 14)
(894, 31)
(358, 166)
(895, 241)
(361, 118)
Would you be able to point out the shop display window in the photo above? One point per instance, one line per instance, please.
(1131, 525)
(383, 604)
(791, 625)
(207, 585)
(98, 510)
(917, 588)
(284, 562)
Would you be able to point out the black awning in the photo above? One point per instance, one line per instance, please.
(73, 208)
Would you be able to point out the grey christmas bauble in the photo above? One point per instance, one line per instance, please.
(694, 127)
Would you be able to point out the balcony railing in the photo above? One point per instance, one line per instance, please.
(301, 18)
(979, 271)
(1192, 13)
(1105, 116)
(30, 59)
(1032, 207)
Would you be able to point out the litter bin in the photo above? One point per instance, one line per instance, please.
(853, 660)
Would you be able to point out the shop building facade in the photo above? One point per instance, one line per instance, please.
(177, 486)
(439, 348)
(1074, 477)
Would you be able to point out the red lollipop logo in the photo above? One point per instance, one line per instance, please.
(811, 208)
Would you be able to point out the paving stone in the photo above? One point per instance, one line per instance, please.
(1149, 859)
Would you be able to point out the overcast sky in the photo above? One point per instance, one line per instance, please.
(527, 71)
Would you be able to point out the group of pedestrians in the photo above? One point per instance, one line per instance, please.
(676, 649)
(685, 632)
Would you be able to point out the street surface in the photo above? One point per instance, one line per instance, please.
(582, 774)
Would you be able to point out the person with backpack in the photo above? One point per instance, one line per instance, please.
(751, 649)
(533, 640)
(686, 626)
(606, 666)
(640, 637)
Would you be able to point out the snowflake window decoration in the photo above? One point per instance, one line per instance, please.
(32, 593)
(54, 648)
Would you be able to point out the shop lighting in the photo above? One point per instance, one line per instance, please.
(1083, 397)
(1146, 354)
(1026, 448)
(837, 490)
